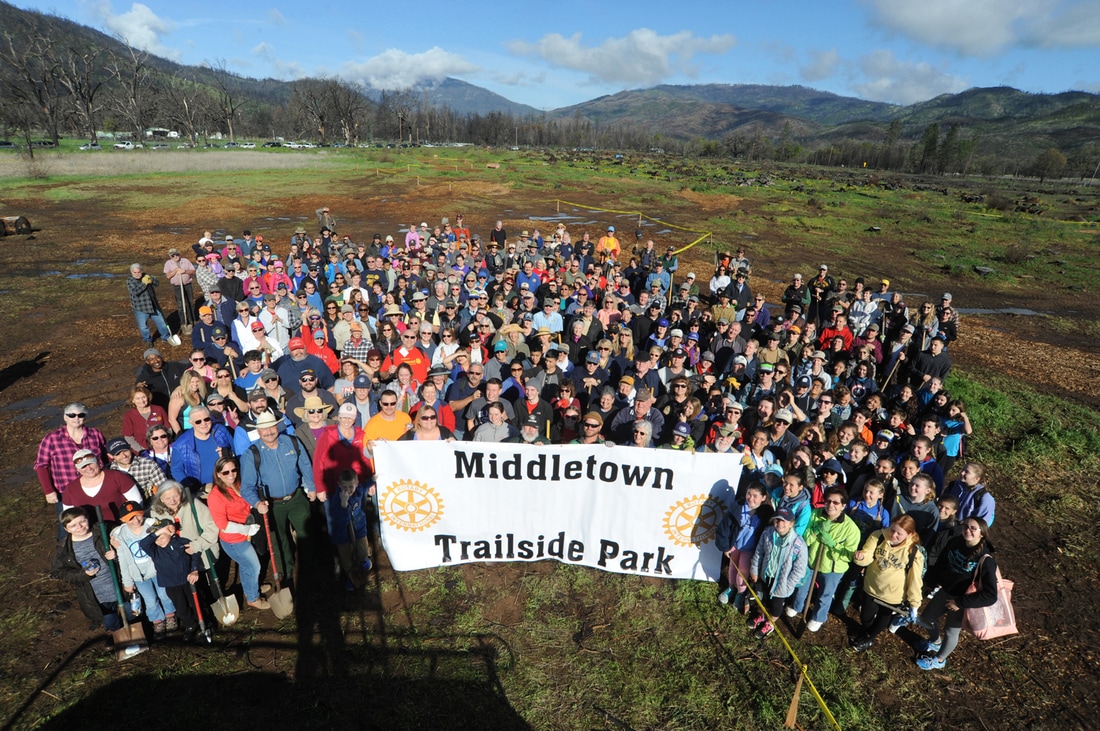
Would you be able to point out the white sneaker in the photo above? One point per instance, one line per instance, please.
(813, 625)
(791, 612)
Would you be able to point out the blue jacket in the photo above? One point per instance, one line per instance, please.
(173, 563)
(185, 455)
(282, 470)
(983, 507)
(792, 561)
(741, 528)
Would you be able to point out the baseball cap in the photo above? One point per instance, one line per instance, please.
(348, 410)
(84, 457)
(362, 381)
(116, 445)
(682, 429)
(783, 514)
(296, 343)
(129, 509)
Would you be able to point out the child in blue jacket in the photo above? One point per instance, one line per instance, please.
(176, 570)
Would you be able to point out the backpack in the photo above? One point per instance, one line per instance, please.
(913, 550)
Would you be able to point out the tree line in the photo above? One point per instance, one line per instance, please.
(54, 84)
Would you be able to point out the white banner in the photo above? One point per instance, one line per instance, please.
(651, 512)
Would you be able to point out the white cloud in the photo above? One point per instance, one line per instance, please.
(140, 27)
(1072, 25)
(822, 65)
(521, 78)
(641, 57)
(276, 17)
(986, 27)
(396, 69)
(882, 77)
(280, 69)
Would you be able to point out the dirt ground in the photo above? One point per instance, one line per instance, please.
(87, 349)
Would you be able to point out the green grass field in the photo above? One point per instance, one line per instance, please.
(552, 646)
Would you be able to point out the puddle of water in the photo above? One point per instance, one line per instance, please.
(49, 273)
(283, 218)
(664, 231)
(16, 475)
(1022, 311)
(93, 275)
(555, 217)
(84, 261)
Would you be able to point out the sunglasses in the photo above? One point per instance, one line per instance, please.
(227, 472)
(159, 437)
(80, 415)
(388, 403)
(315, 411)
(428, 417)
(590, 425)
(198, 360)
(205, 420)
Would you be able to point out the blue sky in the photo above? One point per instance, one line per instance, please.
(554, 54)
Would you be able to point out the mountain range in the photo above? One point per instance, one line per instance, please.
(1002, 118)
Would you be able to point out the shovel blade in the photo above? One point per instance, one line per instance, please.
(129, 642)
(282, 604)
(226, 611)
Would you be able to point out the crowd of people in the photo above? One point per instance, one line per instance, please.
(306, 352)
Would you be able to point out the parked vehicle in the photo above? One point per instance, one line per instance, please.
(248, 145)
(127, 145)
(90, 146)
(271, 144)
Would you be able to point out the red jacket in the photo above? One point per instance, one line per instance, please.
(333, 455)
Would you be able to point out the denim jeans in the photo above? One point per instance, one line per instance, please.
(824, 596)
(158, 320)
(157, 603)
(249, 563)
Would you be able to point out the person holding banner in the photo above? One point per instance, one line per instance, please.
(778, 566)
(737, 537)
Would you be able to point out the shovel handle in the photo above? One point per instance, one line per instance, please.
(271, 549)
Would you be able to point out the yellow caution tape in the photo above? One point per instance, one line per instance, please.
(805, 672)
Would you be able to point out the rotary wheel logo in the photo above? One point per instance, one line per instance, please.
(693, 521)
(410, 505)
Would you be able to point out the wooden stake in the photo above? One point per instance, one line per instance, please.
(792, 711)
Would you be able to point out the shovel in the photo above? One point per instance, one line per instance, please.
(205, 632)
(282, 604)
(226, 609)
(130, 640)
